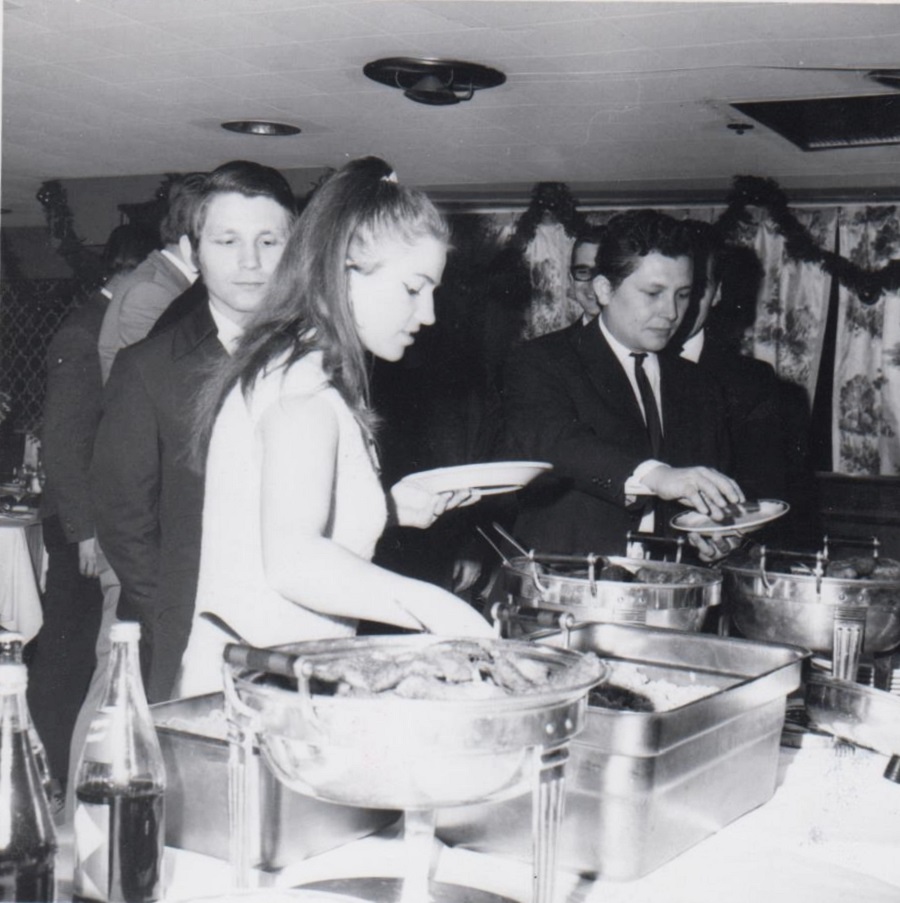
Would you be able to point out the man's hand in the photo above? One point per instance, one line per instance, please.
(712, 548)
(87, 558)
(702, 488)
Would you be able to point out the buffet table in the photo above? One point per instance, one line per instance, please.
(830, 833)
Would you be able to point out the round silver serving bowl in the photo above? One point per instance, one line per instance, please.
(805, 609)
(675, 596)
(393, 752)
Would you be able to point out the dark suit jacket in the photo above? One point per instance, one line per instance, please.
(148, 488)
(71, 414)
(185, 304)
(568, 401)
(753, 418)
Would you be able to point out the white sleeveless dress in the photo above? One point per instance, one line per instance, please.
(232, 580)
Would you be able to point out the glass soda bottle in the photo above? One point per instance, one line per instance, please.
(120, 786)
(11, 646)
(27, 835)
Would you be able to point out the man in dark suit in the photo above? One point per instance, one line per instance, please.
(627, 431)
(63, 654)
(147, 482)
(749, 386)
(765, 431)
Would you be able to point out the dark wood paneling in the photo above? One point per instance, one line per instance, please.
(862, 506)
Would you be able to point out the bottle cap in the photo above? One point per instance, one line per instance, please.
(125, 630)
(13, 677)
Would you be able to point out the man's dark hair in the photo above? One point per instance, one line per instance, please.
(126, 246)
(241, 177)
(636, 233)
(588, 236)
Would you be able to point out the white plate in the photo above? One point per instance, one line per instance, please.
(491, 478)
(695, 522)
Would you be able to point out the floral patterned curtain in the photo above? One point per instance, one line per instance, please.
(793, 300)
(867, 364)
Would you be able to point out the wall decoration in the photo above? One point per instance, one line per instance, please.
(753, 191)
(86, 265)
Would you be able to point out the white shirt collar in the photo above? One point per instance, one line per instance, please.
(651, 367)
(693, 347)
(190, 272)
(624, 354)
(228, 331)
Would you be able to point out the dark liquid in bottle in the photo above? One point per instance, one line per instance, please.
(135, 849)
(29, 876)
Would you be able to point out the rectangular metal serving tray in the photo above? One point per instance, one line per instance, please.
(292, 827)
(642, 787)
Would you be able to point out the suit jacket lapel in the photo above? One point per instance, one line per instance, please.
(605, 373)
(192, 330)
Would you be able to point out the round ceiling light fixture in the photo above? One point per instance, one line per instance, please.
(260, 127)
(435, 82)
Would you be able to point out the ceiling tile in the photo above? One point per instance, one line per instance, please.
(136, 38)
(315, 23)
(59, 47)
(591, 36)
(283, 57)
(66, 16)
(400, 18)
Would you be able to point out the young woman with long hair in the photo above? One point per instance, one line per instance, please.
(293, 504)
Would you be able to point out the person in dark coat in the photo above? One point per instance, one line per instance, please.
(148, 488)
(766, 432)
(627, 430)
(77, 575)
(749, 386)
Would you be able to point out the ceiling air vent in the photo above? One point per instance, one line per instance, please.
(830, 122)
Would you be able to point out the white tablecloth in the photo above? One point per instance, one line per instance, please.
(830, 834)
(21, 554)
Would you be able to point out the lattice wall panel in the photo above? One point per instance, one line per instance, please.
(30, 313)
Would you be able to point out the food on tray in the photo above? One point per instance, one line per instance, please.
(631, 689)
(617, 573)
(862, 567)
(454, 669)
(679, 575)
(851, 568)
(612, 696)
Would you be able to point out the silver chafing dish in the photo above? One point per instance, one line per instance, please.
(534, 590)
(643, 786)
(415, 754)
(801, 598)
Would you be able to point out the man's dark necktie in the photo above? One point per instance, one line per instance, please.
(651, 412)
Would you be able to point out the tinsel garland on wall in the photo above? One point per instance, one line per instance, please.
(553, 200)
(87, 266)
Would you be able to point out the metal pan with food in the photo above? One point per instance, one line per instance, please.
(605, 588)
(845, 607)
(411, 721)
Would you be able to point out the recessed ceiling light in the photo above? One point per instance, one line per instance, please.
(260, 127)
